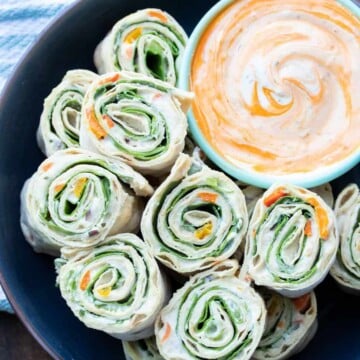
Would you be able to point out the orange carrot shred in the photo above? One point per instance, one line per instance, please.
(166, 333)
(275, 196)
(307, 229)
(59, 187)
(110, 79)
(209, 197)
(94, 125)
(129, 52)
(47, 166)
(85, 281)
(321, 218)
(302, 303)
(248, 278)
(157, 14)
(109, 121)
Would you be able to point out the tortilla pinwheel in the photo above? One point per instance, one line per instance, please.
(76, 198)
(346, 269)
(59, 126)
(137, 119)
(115, 287)
(290, 325)
(142, 349)
(196, 218)
(215, 315)
(292, 240)
(149, 41)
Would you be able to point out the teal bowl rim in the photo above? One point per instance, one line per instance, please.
(308, 179)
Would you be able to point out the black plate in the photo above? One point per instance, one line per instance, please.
(29, 278)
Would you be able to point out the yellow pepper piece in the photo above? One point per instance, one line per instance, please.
(133, 35)
(105, 292)
(79, 186)
(204, 231)
(85, 281)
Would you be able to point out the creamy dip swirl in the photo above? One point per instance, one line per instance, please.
(277, 84)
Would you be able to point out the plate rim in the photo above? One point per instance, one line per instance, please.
(52, 26)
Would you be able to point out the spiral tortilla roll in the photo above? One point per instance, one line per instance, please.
(346, 269)
(142, 349)
(115, 287)
(136, 119)
(59, 126)
(292, 240)
(253, 194)
(149, 41)
(195, 218)
(76, 198)
(215, 315)
(290, 325)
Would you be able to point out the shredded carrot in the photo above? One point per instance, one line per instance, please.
(158, 14)
(133, 35)
(79, 186)
(206, 196)
(105, 291)
(248, 278)
(275, 196)
(307, 229)
(46, 166)
(166, 333)
(110, 79)
(59, 187)
(129, 52)
(85, 281)
(302, 303)
(157, 96)
(94, 125)
(321, 218)
(204, 231)
(109, 121)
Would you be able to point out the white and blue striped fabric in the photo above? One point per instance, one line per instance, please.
(21, 22)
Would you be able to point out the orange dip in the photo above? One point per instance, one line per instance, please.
(277, 84)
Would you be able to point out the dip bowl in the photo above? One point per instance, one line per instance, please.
(309, 178)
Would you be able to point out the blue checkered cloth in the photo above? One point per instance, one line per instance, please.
(21, 21)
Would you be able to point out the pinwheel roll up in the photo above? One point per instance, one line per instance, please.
(196, 218)
(346, 269)
(76, 198)
(253, 194)
(59, 126)
(136, 119)
(115, 287)
(215, 315)
(290, 325)
(149, 41)
(292, 240)
(145, 349)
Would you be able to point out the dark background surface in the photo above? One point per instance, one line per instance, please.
(16, 342)
(30, 277)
